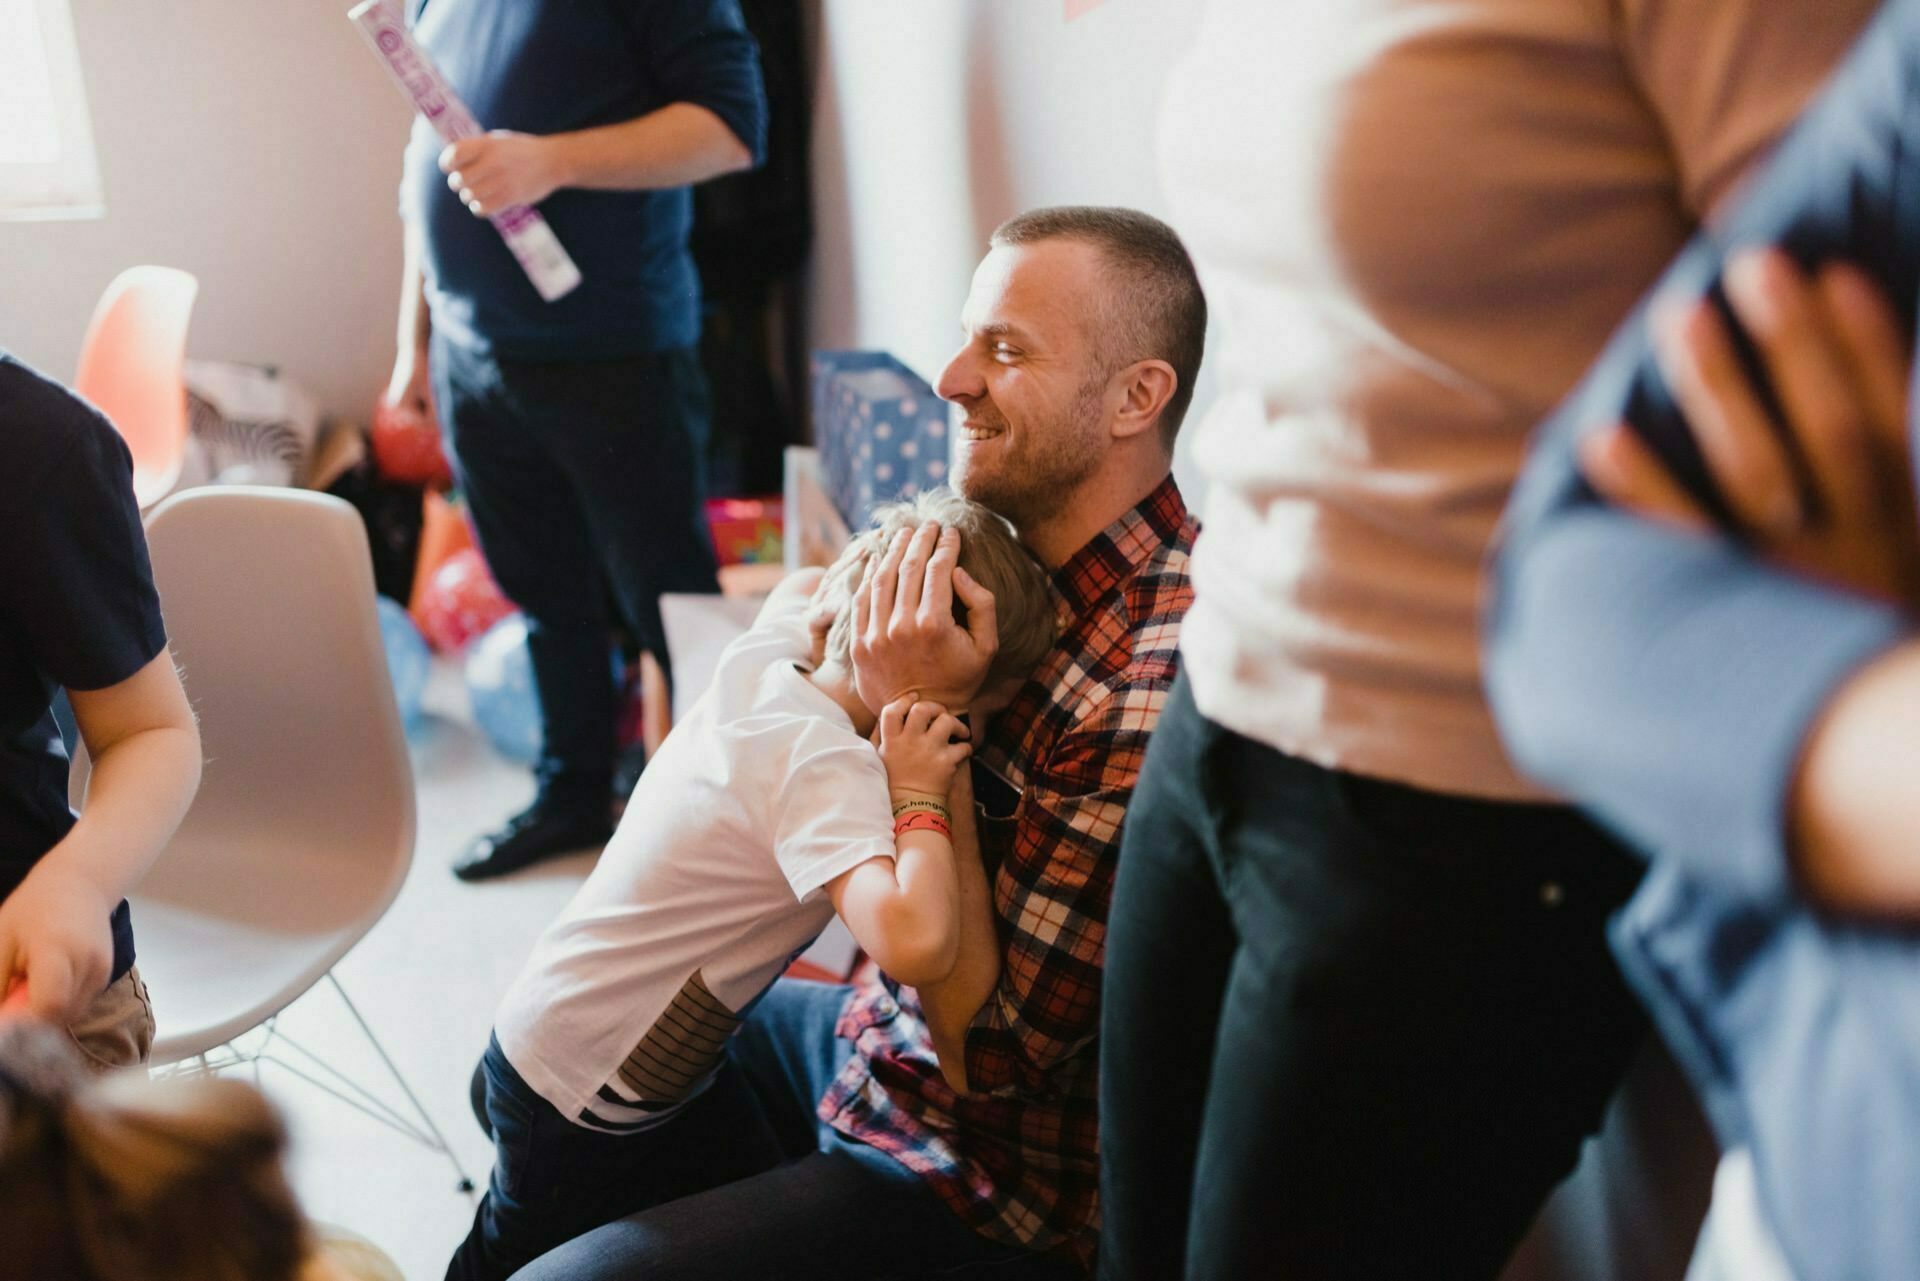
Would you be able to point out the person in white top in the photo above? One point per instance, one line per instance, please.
(763, 813)
(1360, 1011)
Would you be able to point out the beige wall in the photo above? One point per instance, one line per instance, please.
(257, 145)
(254, 143)
(935, 120)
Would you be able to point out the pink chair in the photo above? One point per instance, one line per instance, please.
(130, 369)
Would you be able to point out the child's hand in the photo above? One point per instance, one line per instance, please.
(918, 747)
(55, 946)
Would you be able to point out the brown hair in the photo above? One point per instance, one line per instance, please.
(124, 1179)
(1154, 309)
(1022, 606)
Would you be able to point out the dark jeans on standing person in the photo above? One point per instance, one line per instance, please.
(1351, 1029)
(585, 479)
(745, 1183)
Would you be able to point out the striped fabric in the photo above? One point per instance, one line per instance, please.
(1019, 1158)
(672, 1064)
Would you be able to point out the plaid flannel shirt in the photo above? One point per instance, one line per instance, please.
(1018, 1158)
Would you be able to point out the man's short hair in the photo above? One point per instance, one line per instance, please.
(1154, 308)
(1022, 605)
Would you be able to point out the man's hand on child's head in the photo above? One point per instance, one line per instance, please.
(921, 744)
(904, 634)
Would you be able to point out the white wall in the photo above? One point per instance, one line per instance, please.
(935, 120)
(254, 143)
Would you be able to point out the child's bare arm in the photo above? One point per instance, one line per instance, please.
(951, 1004)
(905, 911)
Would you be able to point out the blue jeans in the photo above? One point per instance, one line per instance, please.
(745, 1183)
(585, 481)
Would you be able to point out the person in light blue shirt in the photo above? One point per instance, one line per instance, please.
(1734, 683)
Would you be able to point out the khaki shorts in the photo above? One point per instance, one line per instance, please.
(116, 1031)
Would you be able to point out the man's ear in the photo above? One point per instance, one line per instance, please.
(1146, 387)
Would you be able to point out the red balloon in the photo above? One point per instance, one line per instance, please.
(406, 447)
(461, 602)
(443, 531)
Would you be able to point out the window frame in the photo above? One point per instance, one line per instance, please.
(68, 186)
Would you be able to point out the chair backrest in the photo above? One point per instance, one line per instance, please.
(305, 817)
(131, 369)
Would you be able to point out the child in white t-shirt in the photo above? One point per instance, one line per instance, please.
(766, 810)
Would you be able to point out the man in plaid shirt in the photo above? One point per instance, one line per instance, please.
(884, 1132)
(1009, 1134)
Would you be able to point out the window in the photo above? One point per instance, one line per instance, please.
(47, 165)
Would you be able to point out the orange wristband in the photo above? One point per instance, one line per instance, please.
(922, 821)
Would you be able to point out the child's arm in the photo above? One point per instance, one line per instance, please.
(905, 911)
(54, 933)
(951, 1005)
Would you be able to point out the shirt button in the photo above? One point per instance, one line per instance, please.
(1552, 894)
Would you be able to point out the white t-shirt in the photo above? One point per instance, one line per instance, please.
(1417, 222)
(711, 885)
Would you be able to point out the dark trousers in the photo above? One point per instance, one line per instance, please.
(1351, 1029)
(743, 1184)
(585, 480)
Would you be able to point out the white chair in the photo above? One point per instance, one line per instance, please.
(303, 829)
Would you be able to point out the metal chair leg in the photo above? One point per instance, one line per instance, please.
(320, 1074)
(439, 1140)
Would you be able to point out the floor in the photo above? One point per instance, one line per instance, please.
(426, 980)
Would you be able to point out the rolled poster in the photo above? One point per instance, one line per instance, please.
(527, 234)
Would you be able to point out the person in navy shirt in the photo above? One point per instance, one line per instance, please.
(78, 612)
(577, 426)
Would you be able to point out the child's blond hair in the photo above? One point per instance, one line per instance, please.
(1023, 606)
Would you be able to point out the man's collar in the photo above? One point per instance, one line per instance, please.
(1116, 552)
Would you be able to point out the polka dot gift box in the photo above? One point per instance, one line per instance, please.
(881, 432)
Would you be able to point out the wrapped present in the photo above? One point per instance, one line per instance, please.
(746, 531)
(881, 431)
(247, 425)
(814, 530)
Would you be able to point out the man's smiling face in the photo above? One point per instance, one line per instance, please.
(1030, 378)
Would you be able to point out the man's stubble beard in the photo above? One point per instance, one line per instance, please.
(1051, 462)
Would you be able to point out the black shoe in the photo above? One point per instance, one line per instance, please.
(538, 832)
